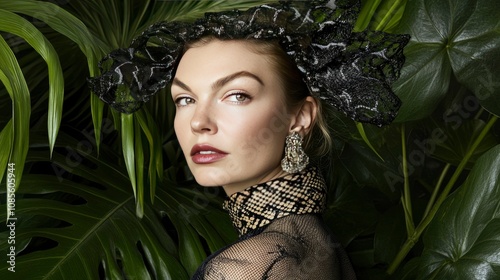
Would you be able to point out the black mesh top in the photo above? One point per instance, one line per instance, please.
(282, 235)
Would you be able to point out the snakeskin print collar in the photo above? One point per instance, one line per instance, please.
(259, 205)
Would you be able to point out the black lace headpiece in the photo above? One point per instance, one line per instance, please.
(351, 71)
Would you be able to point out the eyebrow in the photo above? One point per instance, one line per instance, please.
(222, 81)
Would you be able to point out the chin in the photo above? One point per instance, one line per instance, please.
(204, 182)
(210, 178)
(216, 174)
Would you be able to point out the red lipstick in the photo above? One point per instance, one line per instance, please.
(204, 153)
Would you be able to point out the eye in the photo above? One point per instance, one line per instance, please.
(238, 97)
(184, 101)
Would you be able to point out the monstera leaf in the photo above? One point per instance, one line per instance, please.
(87, 228)
(463, 240)
(455, 37)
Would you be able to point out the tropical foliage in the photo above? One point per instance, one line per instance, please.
(104, 195)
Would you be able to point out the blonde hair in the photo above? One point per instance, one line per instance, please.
(318, 141)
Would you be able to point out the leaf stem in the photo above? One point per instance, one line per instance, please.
(479, 113)
(410, 242)
(406, 200)
(436, 189)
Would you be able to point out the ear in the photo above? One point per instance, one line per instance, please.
(305, 116)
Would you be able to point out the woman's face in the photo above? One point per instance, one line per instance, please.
(231, 119)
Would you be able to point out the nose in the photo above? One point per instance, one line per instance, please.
(203, 120)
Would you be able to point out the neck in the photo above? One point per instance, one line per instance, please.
(259, 205)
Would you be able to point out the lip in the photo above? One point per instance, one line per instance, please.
(204, 154)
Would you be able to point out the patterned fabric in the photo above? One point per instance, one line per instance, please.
(350, 71)
(259, 205)
(282, 235)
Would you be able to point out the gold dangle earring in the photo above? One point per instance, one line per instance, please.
(295, 159)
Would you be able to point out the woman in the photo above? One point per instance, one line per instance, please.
(233, 135)
(247, 86)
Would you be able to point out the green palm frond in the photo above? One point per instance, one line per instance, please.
(68, 25)
(380, 15)
(17, 25)
(15, 83)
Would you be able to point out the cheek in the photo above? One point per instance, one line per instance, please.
(181, 129)
(270, 124)
(264, 134)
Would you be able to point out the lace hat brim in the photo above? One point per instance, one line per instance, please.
(350, 71)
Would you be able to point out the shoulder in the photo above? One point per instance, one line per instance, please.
(293, 247)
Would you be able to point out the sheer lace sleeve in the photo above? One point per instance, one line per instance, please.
(294, 247)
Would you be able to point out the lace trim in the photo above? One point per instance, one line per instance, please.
(259, 205)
